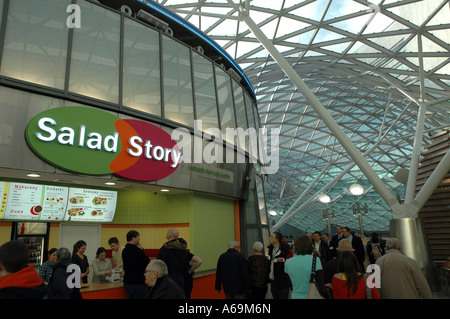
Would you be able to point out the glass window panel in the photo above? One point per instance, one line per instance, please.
(241, 116)
(250, 208)
(265, 236)
(251, 124)
(226, 107)
(261, 200)
(94, 68)
(249, 108)
(205, 92)
(141, 69)
(178, 103)
(36, 40)
(255, 113)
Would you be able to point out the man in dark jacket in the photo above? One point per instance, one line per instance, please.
(321, 247)
(178, 260)
(17, 280)
(134, 263)
(232, 273)
(160, 285)
(57, 286)
(279, 280)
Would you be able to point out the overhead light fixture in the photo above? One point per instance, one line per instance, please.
(324, 198)
(356, 189)
(272, 213)
(34, 175)
(110, 183)
(164, 190)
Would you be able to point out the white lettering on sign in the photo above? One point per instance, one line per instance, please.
(67, 136)
(95, 141)
(158, 152)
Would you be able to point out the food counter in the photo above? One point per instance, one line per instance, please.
(203, 288)
(100, 290)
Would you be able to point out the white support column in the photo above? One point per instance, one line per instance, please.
(415, 157)
(354, 153)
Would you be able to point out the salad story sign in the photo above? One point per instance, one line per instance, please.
(95, 142)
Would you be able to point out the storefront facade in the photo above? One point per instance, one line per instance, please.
(118, 64)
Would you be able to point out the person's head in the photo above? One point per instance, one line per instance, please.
(172, 233)
(316, 236)
(133, 237)
(233, 245)
(339, 230)
(113, 243)
(302, 245)
(101, 253)
(393, 243)
(345, 245)
(375, 238)
(275, 238)
(258, 247)
(326, 237)
(349, 265)
(63, 255)
(155, 269)
(13, 257)
(79, 247)
(52, 255)
(346, 232)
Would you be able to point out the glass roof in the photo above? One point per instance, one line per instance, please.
(370, 64)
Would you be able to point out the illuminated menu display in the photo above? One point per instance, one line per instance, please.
(4, 195)
(22, 201)
(90, 205)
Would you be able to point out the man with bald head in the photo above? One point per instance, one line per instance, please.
(401, 277)
(180, 263)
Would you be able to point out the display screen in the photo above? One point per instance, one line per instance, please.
(90, 205)
(22, 201)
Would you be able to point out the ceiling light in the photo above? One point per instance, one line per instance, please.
(272, 212)
(356, 189)
(110, 183)
(324, 198)
(33, 175)
(164, 190)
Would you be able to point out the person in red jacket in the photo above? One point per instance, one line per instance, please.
(349, 283)
(17, 280)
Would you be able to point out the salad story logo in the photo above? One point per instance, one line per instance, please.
(95, 142)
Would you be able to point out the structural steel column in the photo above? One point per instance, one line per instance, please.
(323, 114)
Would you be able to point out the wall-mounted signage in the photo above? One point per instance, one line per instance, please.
(95, 142)
(22, 201)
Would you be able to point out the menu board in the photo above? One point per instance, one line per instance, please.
(22, 201)
(91, 205)
(3, 195)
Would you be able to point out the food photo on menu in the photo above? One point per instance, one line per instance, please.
(90, 205)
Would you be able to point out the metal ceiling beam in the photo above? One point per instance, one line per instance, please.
(371, 175)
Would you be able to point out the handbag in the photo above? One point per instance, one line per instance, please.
(313, 292)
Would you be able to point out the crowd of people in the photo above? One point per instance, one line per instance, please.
(169, 276)
(333, 265)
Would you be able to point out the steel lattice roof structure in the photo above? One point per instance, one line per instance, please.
(371, 64)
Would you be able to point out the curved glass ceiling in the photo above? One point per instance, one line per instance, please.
(370, 64)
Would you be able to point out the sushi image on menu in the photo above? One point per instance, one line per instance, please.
(91, 205)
